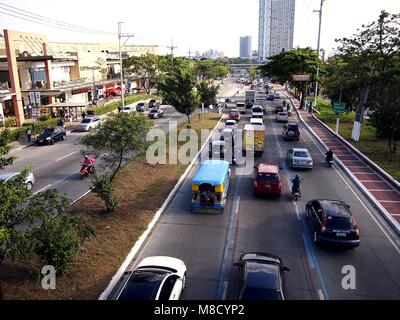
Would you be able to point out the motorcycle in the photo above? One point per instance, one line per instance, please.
(329, 161)
(86, 170)
(296, 194)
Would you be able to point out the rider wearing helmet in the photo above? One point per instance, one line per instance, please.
(329, 155)
(89, 161)
(296, 184)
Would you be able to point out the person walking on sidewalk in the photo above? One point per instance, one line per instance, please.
(28, 133)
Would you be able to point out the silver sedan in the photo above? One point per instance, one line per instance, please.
(299, 158)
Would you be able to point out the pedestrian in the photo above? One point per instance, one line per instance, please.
(119, 109)
(310, 108)
(28, 133)
(25, 110)
(83, 115)
(61, 122)
(29, 111)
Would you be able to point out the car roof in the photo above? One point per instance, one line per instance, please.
(268, 168)
(7, 175)
(292, 124)
(301, 150)
(335, 208)
(212, 171)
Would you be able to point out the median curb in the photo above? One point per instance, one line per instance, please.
(384, 213)
(139, 243)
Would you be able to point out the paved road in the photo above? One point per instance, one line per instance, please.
(210, 244)
(57, 166)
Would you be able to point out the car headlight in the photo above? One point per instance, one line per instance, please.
(48, 138)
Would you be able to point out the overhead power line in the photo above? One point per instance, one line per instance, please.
(39, 19)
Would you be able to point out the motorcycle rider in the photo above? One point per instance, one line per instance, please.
(329, 155)
(296, 184)
(89, 162)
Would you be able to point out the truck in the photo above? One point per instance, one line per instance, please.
(249, 98)
(256, 144)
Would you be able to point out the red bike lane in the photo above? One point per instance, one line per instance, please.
(383, 190)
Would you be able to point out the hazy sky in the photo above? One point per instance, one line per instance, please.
(201, 25)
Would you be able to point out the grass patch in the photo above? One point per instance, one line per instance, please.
(374, 148)
(141, 189)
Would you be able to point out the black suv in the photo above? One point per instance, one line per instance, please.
(332, 222)
(291, 131)
(262, 277)
(51, 135)
(279, 109)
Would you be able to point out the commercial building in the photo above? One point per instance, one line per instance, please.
(245, 47)
(276, 26)
(38, 72)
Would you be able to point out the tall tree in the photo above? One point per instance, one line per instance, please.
(207, 92)
(5, 159)
(118, 139)
(284, 65)
(180, 89)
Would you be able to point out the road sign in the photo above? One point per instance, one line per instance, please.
(339, 107)
(311, 100)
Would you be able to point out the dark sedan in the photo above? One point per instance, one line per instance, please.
(262, 277)
(51, 135)
(156, 113)
(331, 222)
(153, 103)
(141, 107)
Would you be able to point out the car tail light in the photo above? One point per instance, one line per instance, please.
(255, 184)
(324, 223)
(355, 226)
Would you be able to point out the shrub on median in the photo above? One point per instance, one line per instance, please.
(114, 105)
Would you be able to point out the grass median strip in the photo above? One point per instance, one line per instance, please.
(141, 189)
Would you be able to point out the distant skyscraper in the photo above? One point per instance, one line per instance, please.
(276, 25)
(245, 47)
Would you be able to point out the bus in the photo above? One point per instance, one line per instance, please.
(210, 186)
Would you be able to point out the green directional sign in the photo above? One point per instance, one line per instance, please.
(339, 107)
(311, 100)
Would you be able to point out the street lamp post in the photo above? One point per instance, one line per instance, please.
(318, 45)
(120, 36)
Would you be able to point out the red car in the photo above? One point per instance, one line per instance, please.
(267, 180)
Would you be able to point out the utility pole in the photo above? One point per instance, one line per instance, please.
(120, 36)
(172, 51)
(189, 52)
(318, 45)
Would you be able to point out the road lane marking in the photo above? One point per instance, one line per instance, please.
(66, 156)
(58, 181)
(229, 242)
(320, 294)
(225, 290)
(49, 185)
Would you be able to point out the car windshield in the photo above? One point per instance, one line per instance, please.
(267, 177)
(230, 123)
(257, 109)
(282, 114)
(142, 285)
(293, 128)
(301, 154)
(339, 222)
(152, 101)
(126, 108)
(48, 131)
(140, 104)
(154, 111)
(261, 294)
(86, 121)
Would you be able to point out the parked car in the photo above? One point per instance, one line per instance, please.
(262, 277)
(51, 135)
(230, 124)
(128, 109)
(282, 117)
(257, 112)
(142, 107)
(9, 176)
(155, 278)
(291, 131)
(257, 121)
(89, 123)
(267, 180)
(332, 222)
(156, 113)
(299, 158)
(154, 103)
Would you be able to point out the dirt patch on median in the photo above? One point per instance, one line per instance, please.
(141, 189)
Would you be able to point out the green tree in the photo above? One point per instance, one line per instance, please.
(120, 137)
(180, 89)
(148, 66)
(207, 92)
(5, 160)
(252, 73)
(284, 65)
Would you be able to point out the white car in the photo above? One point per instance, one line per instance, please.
(155, 278)
(128, 109)
(230, 123)
(257, 112)
(257, 121)
(89, 123)
(282, 117)
(299, 158)
(9, 176)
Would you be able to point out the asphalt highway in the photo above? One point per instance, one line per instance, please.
(210, 243)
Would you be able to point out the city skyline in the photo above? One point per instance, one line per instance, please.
(245, 47)
(181, 23)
